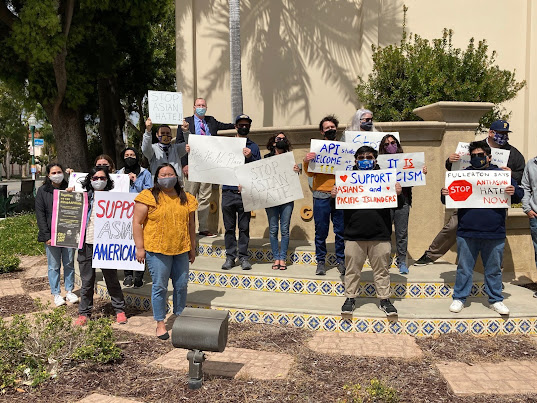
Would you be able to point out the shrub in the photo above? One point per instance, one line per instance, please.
(18, 236)
(418, 72)
(8, 263)
(377, 391)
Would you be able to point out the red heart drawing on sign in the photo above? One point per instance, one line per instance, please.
(387, 188)
(343, 178)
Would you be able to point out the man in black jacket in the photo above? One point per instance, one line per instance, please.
(202, 125)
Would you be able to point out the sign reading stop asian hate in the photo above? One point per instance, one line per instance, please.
(331, 156)
(409, 167)
(499, 156)
(113, 243)
(371, 139)
(478, 189)
(366, 189)
(165, 107)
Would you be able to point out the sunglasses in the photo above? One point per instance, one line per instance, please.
(363, 157)
(279, 139)
(98, 178)
(366, 120)
(479, 155)
(393, 142)
(243, 125)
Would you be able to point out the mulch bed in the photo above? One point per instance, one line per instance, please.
(16, 304)
(35, 284)
(12, 275)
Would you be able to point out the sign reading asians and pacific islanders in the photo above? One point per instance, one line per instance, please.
(69, 216)
(165, 107)
(409, 167)
(213, 159)
(113, 243)
(269, 182)
(499, 157)
(371, 139)
(477, 189)
(331, 156)
(366, 189)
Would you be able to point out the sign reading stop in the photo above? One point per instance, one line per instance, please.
(460, 190)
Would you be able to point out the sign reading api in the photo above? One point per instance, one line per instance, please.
(366, 189)
(478, 189)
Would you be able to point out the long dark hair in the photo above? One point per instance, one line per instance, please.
(272, 140)
(382, 150)
(47, 180)
(156, 189)
(86, 183)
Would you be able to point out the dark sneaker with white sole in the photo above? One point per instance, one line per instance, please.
(348, 306)
(229, 264)
(321, 269)
(424, 260)
(387, 307)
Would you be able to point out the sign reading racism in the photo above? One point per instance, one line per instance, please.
(499, 157)
(165, 107)
(213, 159)
(366, 189)
(371, 139)
(69, 216)
(269, 182)
(121, 181)
(331, 156)
(409, 167)
(477, 189)
(113, 243)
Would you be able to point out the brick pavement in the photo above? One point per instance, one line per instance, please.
(365, 344)
(98, 398)
(36, 271)
(10, 287)
(31, 261)
(144, 324)
(505, 378)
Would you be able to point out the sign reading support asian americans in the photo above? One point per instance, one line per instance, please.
(269, 182)
(477, 189)
(331, 156)
(165, 107)
(366, 189)
(371, 139)
(113, 243)
(499, 157)
(69, 216)
(409, 167)
(121, 182)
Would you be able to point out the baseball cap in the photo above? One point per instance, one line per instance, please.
(243, 117)
(500, 126)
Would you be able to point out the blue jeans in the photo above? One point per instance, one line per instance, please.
(533, 229)
(491, 256)
(322, 210)
(56, 255)
(280, 216)
(162, 268)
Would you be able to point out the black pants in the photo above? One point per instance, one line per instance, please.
(233, 212)
(87, 275)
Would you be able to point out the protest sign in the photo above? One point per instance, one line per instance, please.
(69, 216)
(213, 159)
(113, 243)
(477, 189)
(366, 189)
(499, 157)
(331, 156)
(165, 107)
(269, 182)
(122, 182)
(409, 167)
(371, 139)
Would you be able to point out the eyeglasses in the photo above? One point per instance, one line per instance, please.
(365, 157)
(366, 120)
(243, 125)
(479, 155)
(390, 142)
(98, 178)
(279, 139)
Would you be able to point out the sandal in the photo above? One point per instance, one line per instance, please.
(283, 267)
(276, 266)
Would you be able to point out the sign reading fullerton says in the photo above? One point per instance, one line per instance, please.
(366, 189)
(477, 189)
(331, 156)
(409, 167)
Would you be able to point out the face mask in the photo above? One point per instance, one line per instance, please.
(366, 126)
(130, 162)
(167, 182)
(501, 139)
(478, 162)
(57, 178)
(330, 134)
(201, 111)
(282, 145)
(391, 148)
(366, 164)
(98, 185)
(243, 131)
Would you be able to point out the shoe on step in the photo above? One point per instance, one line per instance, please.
(121, 318)
(138, 282)
(229, 264)
(387, 307)
(424, 260)
(403, 269)
(456, 306)
(246, 265)
(128, 281)
(341, 268)
(500, 308)
(321, 269)
(348, 306)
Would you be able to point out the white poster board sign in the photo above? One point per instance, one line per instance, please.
(371, 189)
(269, 182)
(499, 157)
(165, 107)
(213, 159)
(113, 243)
(122, 182)
(331, 156)
(477, 189)
(371, 139)
(409, 167)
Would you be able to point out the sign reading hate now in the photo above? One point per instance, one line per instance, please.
(499, 157)
(477, 189)
(366, 189)
(165, 107)
(409, 167)
(371, 139)
(331, 156)
(269, 182)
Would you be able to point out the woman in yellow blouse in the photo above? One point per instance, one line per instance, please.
(165, 234)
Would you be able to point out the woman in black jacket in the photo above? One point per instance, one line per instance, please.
(55, 254)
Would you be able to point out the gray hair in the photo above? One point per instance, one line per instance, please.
(355, 121)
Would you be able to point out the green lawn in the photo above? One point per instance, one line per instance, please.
(18, 236)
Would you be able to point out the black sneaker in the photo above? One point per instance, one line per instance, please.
(348, 306)
(138, 282)
(341, 268)
(246, 265)
(424, 260)
(321, 269)
(387, 307)
(128, 282)
(229, 264)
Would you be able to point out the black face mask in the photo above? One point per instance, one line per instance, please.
(243, 131)
(282, 145)
(330, 134)
(130, 162)
(478, 162)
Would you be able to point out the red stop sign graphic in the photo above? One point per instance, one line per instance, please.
(460, 190)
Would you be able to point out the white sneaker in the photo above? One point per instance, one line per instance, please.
(58, 300)
(70, 297)
(456, 306)
(500, 308)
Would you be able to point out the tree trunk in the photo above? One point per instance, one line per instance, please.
(111, 119)
(235, 57)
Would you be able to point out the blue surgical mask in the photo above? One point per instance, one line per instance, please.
(501, 139)
(366, 164)
(201, 111)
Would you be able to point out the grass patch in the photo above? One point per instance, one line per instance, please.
(18, 236)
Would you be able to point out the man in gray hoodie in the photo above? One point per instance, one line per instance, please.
(529, 201)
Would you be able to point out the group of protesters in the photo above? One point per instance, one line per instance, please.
(164, 222)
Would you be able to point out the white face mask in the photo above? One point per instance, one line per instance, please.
(57, 178)
(98, 185)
